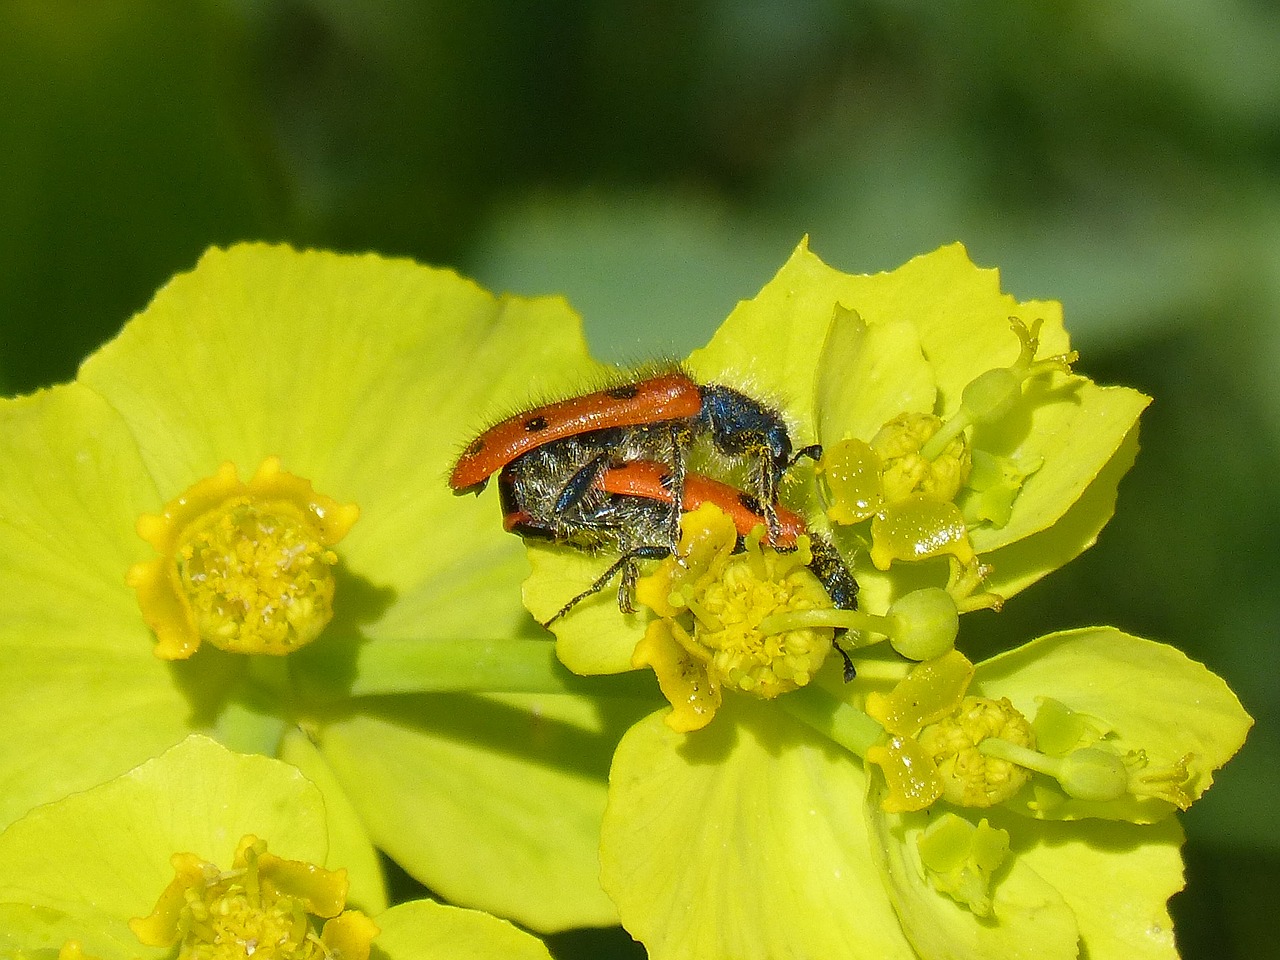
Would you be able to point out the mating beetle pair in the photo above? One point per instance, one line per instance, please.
(607, 470)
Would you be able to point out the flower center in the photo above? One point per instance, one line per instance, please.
(245, 567)
(970, 778)
(263, 907)
(907, 471)
(232, 922)
(730, 619)
(729, 615)
(256, 577)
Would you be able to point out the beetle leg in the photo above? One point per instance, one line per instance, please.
(627, 563)
(622, 563)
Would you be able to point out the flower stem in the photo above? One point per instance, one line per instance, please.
(934, 446)
(857, 620)
(481, 666)
(1022, 756)
(833, 718)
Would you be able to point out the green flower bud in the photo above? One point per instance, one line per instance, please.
(924, 624)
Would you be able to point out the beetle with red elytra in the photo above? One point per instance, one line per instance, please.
(660, 417)
(558, 493)
(585, 473)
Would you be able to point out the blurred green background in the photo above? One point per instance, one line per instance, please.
(656, 161)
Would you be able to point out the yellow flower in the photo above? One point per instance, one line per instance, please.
(728, 620)
(263, 904)
(80, 871)
(235, 423)
(245, 567)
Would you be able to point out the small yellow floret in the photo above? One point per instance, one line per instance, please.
(714, 606)
(907, 472)
(970, 777)
(246, 567)
(264, 907)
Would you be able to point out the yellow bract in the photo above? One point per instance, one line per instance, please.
(855, 478)
(694, 694)
(931, 691)
(246, 567)
(917, 528)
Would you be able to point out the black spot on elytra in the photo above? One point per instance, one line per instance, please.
(535, 424)
(627, 391)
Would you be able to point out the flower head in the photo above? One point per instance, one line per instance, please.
(964, 460)
(272, 904)
(729, 620)
(246, 567)
(328, 382)
(83, 873)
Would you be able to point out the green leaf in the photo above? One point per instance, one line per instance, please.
(1075, 428)
(769, 345)
(349, 844)
(594, 637)
(492, 801)
(1017, 565)
(83, 866)
(870, 374)
(743, 840)
(425, 930)
(1117, 879)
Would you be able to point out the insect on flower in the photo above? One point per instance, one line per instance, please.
(561, 492)
(655, 418)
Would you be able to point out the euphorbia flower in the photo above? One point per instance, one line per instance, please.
(216, 855)
(964, 461)
(1076, 761)
(191, 491)
(883, 362)
(727, 597)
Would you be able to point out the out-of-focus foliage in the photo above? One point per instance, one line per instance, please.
(655, 161)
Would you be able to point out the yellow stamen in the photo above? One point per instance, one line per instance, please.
(264, 907)
(907, 471)
(971, 778)
(714, 606)
(246, 567)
